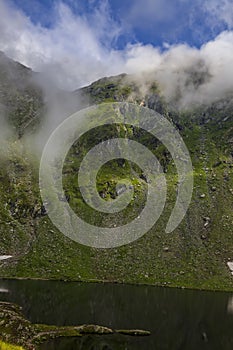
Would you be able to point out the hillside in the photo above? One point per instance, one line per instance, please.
(194, 255)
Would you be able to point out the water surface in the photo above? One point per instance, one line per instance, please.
(177, 319)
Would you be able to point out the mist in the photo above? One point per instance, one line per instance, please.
(6, 132)
(78, 50)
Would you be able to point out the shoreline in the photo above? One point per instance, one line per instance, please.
(17, 330)
(162, 285)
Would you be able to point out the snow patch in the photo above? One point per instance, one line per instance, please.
(230, 265)
(4, 257)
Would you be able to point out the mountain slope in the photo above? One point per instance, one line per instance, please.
(194, 255)
(20, 98)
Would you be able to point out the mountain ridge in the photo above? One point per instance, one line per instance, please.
(195, 255)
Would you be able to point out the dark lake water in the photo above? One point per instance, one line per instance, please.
(177, 319)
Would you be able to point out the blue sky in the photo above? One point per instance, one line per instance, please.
(148, 21)
(75, 42)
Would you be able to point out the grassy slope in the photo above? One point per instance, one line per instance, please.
(191, 256)
(6, 346)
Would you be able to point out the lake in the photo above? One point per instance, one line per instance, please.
(177, 318)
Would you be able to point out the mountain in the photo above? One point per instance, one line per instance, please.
(20, 98)
(194, 255)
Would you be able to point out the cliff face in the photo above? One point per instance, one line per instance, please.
(20, 97)
(194, 255)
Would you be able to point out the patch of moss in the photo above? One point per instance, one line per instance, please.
(6, 346)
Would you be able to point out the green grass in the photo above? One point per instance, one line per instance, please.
(192, 256)
(6, 346)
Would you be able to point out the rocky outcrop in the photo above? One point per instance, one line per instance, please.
(15, 329)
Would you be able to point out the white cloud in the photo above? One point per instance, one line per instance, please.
(74, 51)
(77, 50)
(219, 10)
(143, 11)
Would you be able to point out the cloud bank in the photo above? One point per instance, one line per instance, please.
(79, 49)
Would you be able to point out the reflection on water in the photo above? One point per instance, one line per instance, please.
(91, 342)
(177, 319)
(230, 305)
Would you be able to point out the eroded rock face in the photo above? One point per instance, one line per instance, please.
(94, 329)
(14, 328)
(21, 98)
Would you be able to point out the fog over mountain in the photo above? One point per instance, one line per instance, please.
(78, 50)
(197, 252)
